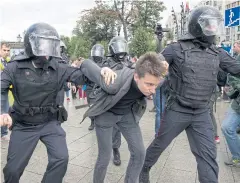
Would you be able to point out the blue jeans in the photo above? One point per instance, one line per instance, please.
(67, 93)
(157, 103)
(229, 126)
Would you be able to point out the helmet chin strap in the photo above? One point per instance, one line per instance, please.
(208, 39)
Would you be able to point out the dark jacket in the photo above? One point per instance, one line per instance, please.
(174, 55)
(110, 95)
(32, 103)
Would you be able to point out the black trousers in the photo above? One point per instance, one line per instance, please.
(200, 135)
(22, 143)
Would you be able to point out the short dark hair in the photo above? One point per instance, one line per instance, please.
(5, 44)
(151, 63)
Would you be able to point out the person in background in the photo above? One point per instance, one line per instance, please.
(4, 58)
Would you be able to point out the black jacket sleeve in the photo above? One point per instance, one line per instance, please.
(93, 72)
(228, 63)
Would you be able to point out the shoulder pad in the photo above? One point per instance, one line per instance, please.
(21, 58)
(215, 48)
(186, 36)
(186, 45)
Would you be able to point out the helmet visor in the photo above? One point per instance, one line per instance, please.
(119, 47)
(97, 53)
(45, 46)
(211, 24)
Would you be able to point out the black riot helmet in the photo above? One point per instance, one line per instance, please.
(118, 48)
(205, 22)
(42, 40)
(97, 53)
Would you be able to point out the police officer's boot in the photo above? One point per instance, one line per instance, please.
(116, 157)
(144, 175)
(91, 127)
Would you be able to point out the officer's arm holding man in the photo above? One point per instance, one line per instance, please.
(109, 82)
(104, 76)
(75, 75)
(228, 63)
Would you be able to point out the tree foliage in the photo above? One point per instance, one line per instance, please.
(98, 23)
(148, 14)
(137, 20)
(80, 47)
(142, 42)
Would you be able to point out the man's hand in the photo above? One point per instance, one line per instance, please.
(108, 74)
(5, 120)
(166, 65)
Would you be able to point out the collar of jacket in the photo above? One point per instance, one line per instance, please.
(28, 64)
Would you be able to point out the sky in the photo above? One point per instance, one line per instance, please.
(17, 15)
(176, 6)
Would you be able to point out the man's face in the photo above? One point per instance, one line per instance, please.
(147, 84)
(236, 48)
(4, 51)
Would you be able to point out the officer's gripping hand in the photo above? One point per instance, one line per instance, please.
(165, 65)
(108, 74)
(5, 120)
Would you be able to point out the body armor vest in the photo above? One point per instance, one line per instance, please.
(35, 96)
(194, 80)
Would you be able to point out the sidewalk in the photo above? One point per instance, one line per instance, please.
(176, 164)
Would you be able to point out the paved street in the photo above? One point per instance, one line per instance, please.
(176, 165)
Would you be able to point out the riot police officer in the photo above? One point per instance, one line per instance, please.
(193, 66)
(63, 49)
(97, 55)
(64, 60)
(117, 52)
(117, 59)
(37, 77)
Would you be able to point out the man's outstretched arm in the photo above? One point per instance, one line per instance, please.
(104, 77)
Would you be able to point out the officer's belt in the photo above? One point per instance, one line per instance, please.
(36, 110)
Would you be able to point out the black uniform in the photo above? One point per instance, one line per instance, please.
(36, 81)
(60, 96)
(193, 66)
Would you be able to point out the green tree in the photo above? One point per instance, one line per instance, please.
(66, 41)
(142, 42)
(149, 13)
(79, 47)
(98, 23)
(132, 14)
